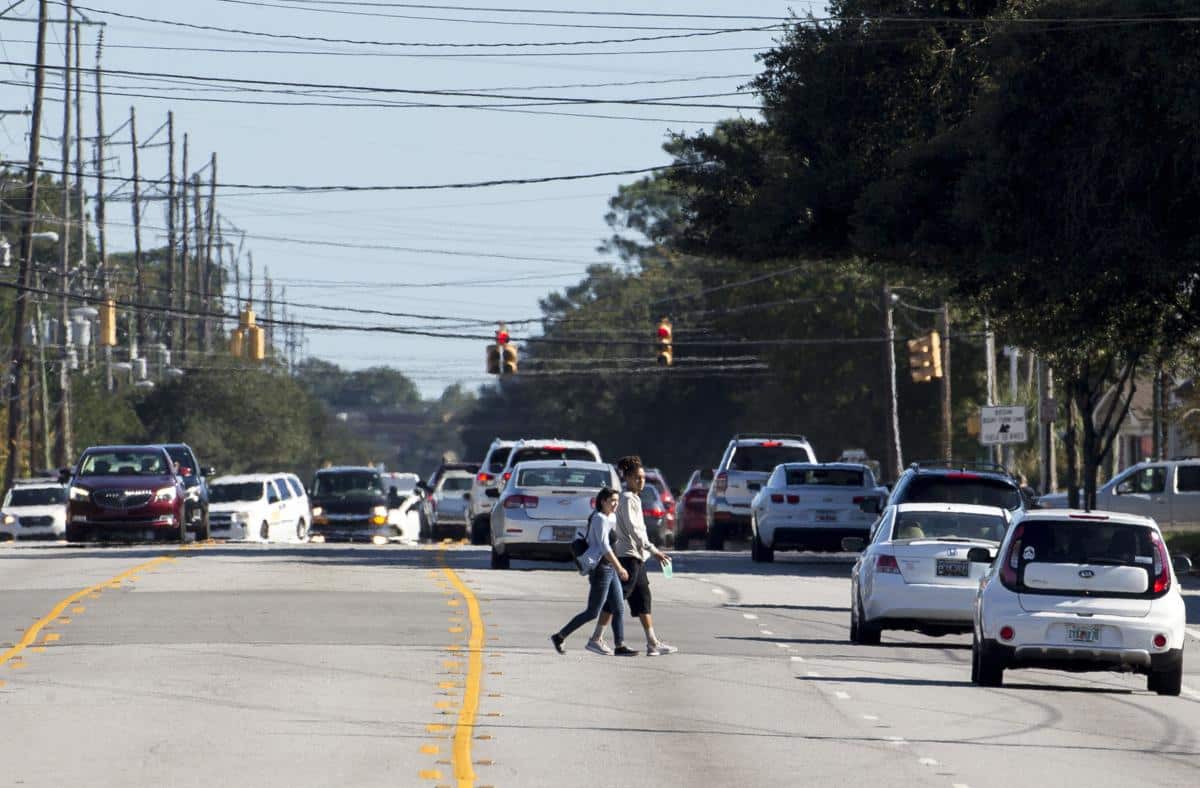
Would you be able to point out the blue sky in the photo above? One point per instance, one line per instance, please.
(542, 235)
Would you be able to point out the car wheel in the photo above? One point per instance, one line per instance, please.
(715, 540)
(987, 670)
(204, 532)
(499, 560)
(76, 534)
(681, 540)
(183, 529)
(760, 552)
(868, 634)
(480, 530)
(264, 531)
(1166, 682)
(855, 635)
(302, 530)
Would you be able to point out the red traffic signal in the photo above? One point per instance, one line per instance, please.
(502, 336)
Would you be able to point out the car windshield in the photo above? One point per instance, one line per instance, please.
(553, 453)
(561, 476)
(948, 525)
(235, 491)
(498, 460)
(967, 488)
(763, 459)
(837, 477)
(456, 483)
(348, 483)
(36, 496)
(124, 463)
(183, 458)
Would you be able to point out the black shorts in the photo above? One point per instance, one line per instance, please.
(637, 587)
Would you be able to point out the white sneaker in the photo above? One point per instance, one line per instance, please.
(658, 649)
(599, 647)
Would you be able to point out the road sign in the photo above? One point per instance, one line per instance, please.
(1002, 425)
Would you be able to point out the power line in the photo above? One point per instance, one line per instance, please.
(546, 11)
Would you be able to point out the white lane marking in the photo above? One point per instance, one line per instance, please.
(842, 695)
(783, 645)
(960, 785)
(898, 741)
(1191, 693)
(797, 659)
(870, 717)
(813, 674)
(749, 616)
(766, 632)
(928, 762)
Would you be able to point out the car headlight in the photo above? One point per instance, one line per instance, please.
(9, 519)
(165, 494)
(193, 494)
(80, 493)
(380, 511)
(317, 511)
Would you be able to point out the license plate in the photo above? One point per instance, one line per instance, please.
(564, 534)
(1083, 634)
(826, 516)
(948, 568)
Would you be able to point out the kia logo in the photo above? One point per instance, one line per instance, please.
(1086, 573)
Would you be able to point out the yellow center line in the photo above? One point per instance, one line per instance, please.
(31, 634)
(464, 773)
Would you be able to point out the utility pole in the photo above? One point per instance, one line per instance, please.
(17, 372)
(250, 281)
(947, 404)
(270, 309)
(100, 219)
(139, 315)
(172, 320)
(198, 259)
(185, 319)
(990, 349)
(208, 254)
(895, 457)
(62, 438)
(1047, 459)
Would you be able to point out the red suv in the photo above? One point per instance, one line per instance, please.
(130, 491)
(692, 510)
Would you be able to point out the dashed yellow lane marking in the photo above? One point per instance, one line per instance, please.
(38, 649)
(430, 749)
(430, 774)
(78, 609)
(455, 630)
(51, 637)
(443, 704)
(31, 635)
(436, 727)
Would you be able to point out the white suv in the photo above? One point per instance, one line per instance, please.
(34, 509)
(479, 505)
(1081, 591)
(747, 462)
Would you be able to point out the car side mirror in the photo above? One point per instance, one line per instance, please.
(1182, 564)
(493, 492)
(853, 544)
(979, 555)
(210, 471)
(870, 505)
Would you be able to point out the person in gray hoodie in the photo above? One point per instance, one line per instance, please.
(634, 548)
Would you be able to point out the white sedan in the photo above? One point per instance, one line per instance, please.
(922, 569)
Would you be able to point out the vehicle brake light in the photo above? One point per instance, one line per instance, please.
(521, 502)
(555, 448)
(776, 498)
(771, 444)
(793, 499)
(653, 512)
(721, 483)
(483, 478)
(961, 475)
(886, 564)
(1088, 516)
(1007, 633)
(1012, 561)
(1162, 564)
(508, 476)
(1160, 640)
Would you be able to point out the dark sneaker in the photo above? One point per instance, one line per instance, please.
(557, 640)
(624, 651)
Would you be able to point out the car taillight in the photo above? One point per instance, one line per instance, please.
(521, 502)
(483, 478)
(1007, 633)
(1012, 560)
(508, 476)
(771, 444)
(1160, 640)
(961, 475)
(1162, 564)
(653, 512)
(887, 565)
(776, 498)
(793, 499)
(721, 483)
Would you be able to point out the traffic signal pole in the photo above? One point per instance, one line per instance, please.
(895, 457)
(947, 404)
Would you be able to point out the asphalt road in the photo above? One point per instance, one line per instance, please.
(326, 665)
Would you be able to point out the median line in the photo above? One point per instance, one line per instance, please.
(31, 634)
(464, 730)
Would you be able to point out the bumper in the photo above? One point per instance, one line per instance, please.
(225, 529)
(353, 531)
(1081, 658)
(902, 605)
(814, 536)
(155, 527)
(452, 529)
(538, 551)
(538, 540)
(733, 520)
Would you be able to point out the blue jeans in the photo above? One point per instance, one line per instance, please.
(605, 594)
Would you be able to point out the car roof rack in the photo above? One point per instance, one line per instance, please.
(29, 480)
(962, 465)
(741, 436)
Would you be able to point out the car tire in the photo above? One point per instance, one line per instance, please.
(759, 552)
(868, 634)
(480, 530)
(855, 635)
(302, 530)
(183, 530)
(76, 534)
(204, 532)
(1166, 682)
(681, 540)
(264, 531)
(715, 539)
(499, 560)
(986, 669)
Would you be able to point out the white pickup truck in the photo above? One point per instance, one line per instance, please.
(1167, 491)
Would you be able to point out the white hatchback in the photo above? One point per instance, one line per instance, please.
(922, 568)
(1082, 591)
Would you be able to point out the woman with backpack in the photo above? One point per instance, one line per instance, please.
(605, 580)
(634, 549)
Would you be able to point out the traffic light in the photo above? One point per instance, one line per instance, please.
(237, 343)
(502, 356)
(509, 359)
(493, 359)
(108, 323)
(666, 352)
(925, 357)
(249, 340)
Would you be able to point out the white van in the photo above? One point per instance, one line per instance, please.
(259, 507)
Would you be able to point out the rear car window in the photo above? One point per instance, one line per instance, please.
(969, 489)
(948, 526)
(763, 459)
(457, 483)
(498, 459)
(563, 477)
(1052, 551)
(525, 455)
(839, 477)
(1188, 478)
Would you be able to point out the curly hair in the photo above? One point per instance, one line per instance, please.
(628, 464)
